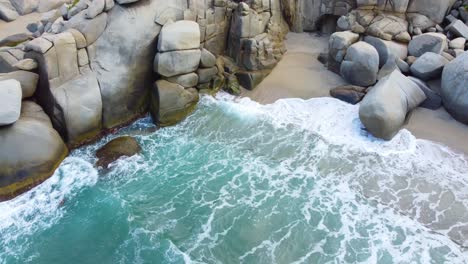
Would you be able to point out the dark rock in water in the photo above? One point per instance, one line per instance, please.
(115, 149)
(349, 93)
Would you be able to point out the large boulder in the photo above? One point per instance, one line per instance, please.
(433, 100)
(126, 83)
(171, 102)
(434, 9)
(348, 93)
(455, 89)
(458, 28)
(428, 42)
(31, 151)
(387, 48)
(28, 81)
(7, 11)
(180, 35)
(174, 63)
(90, 28)
(10, 101)
(25, 6)
(428, 66)
(383, 110)
(361, 64)
(338, 44)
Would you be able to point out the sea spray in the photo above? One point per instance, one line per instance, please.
(298, 181)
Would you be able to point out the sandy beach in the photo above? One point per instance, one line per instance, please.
(18, 26)
(300, 75)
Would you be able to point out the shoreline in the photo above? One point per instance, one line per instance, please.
(308, 78)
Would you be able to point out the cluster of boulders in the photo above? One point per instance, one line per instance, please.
(10, 10)
(400, 64)
(87, 67)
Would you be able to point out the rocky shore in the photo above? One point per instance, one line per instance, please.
(78, 68)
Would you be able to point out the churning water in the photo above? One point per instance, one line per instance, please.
(237, 182)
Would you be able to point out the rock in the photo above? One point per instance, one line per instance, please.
(95, 8)
(361, 64)
(126, 83)
(79, 38)
(454, 90)
(10, 102)
(206, 74)
(232, 84)
(7, 11)
(40, 45)
(28, 81)
(403, 66)
(25, 6)
(82, 57)
(14, 40)
(433, 100)
(349, 93)
(90, 28)
(458, 28)
(180, 35)
(7, 60)
(175, 103)
(125, 146)
(458, 43)
(174, 63)
(388, 67)
(383, 110)
(386, 48)
(428, 66)
(47, 5)
(433, 9)
(26, 65)
(187, 80)
(428, 42)
(109, 5)
(207, 60)
(123, 2)
(80, 117)
(31, 151)
(251, 79)
(338, 45)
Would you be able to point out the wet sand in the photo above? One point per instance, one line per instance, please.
(300, 75)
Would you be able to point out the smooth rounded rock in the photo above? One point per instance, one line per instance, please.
(180, 35)
(454, 90)
(10, 101)
(361, 64)
(125, 146)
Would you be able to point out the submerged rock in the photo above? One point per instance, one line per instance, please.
(125, 146)
(31, 150)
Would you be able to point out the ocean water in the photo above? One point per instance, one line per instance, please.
(237, 182)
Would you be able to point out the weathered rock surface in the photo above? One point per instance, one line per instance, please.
(361, 64)
(349, 93)
(428, 42)
(387, 48)
(180, 35)
(455, 89)
(433, 100)
(338, 45)
(428, 66)
(173, 102)
(383, 110)
(207, 60)
(125, 84)
(187, 80)
(10, 101)
(28, 81)
(174, 63)
(125, 146)
(7, 11)
(31, 151)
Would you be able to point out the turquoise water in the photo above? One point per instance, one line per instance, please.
(240, 183)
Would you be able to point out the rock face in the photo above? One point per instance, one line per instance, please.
(31, 151)
(10, 101)
(383, 110)
(180, 35)
(455, 89)
(127, 82)
(119, 147)
(174, 63)
(175, 102)
(429, 42)
(387, 48)
(361, 64)
(428, 66)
